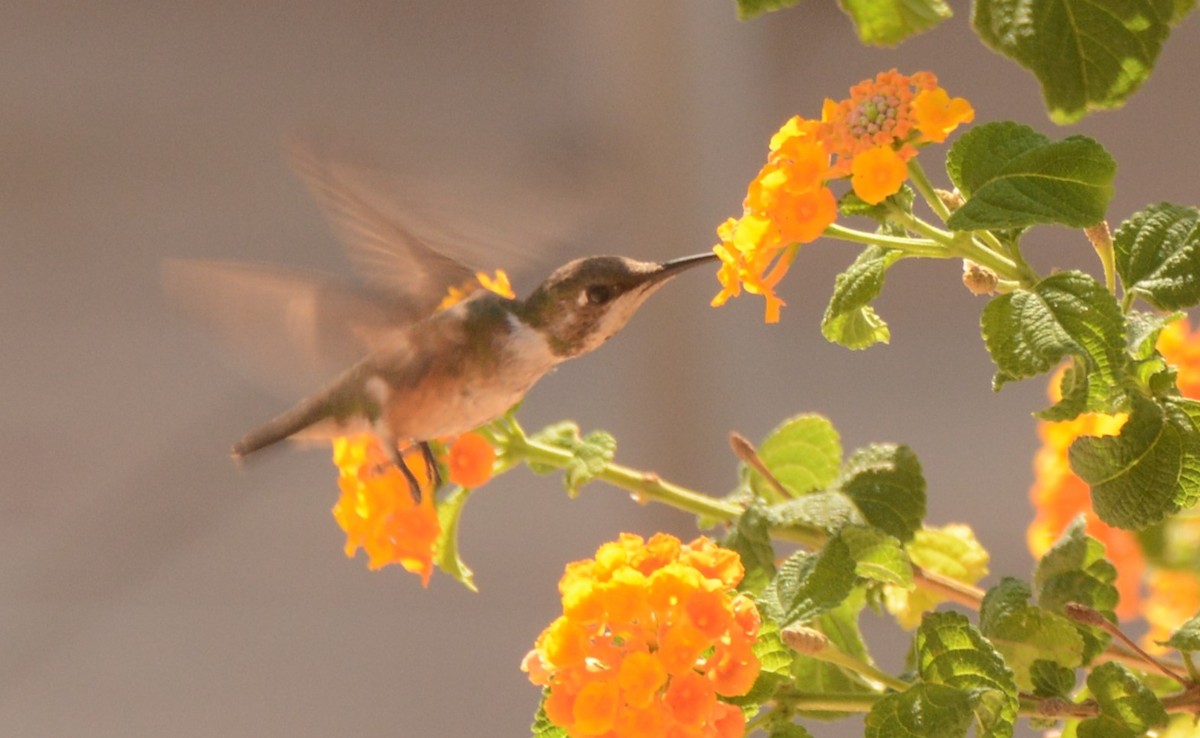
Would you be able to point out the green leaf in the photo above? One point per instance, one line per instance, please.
(950, 651)
(1029, 331)
(542, 727)
(1187, 637)
(952, 551)
(885, 483)
(809, 584)
(803, 453)
(751, 538)
(1012, 177)
(1149, 471)
(1124, 698)
(877, 555)
(1158, 255)
(449, 511)
(1051, 680)
(849, 320)
(921, 711)
(788, 730)
(1075, 570)
(840, 626)
(1024, 633)
(828, 511)
(888, 22)
(1087, 55)
(747, 9)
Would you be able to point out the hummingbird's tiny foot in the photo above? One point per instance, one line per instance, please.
(414, 487)
(431, 465)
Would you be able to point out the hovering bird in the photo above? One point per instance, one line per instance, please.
(418, 372)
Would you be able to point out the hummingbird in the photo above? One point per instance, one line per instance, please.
(419, 372)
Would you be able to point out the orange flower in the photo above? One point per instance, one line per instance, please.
(871, 135)
(376, 509)
(1174, 597)
(877, 174)
(470, 460)
(1180, 346)
(652, 635)
(937, 115)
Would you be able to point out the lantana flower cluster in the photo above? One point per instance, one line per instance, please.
(1058, 496)
(652, 635)
(376, 509)
(868, 137)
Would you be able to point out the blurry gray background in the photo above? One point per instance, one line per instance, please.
(151, 588)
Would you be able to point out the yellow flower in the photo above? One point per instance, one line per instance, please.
(498, 284)
(376, 509)
(870, 135)
(651, 637)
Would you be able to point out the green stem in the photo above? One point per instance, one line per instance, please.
(828, 701)
(645, 485)
(914, 246)
(833, 655)
(921, 181)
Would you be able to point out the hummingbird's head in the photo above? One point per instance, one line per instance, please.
(587, 301)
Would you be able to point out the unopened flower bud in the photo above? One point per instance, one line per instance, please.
(804, 640)
(978, 279)
(1100, 236)
(952, 199)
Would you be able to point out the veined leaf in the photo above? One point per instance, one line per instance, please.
(1124, 698)
(1186, 637)
(1024, 633)
(1029, 331)
(1150, 470)
(751, 538)
(1012, 177)
(888, 22)
(803, 453)
(952, 652)
(1075, 570)
(1087, 55)
(1158, 255)
(809, 584)
(877, 555)
(885, 482)
(921, 711)
(849, 319)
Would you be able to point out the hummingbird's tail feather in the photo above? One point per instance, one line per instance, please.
(309, 412)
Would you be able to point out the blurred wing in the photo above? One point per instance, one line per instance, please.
(392, 258)
(296, 331)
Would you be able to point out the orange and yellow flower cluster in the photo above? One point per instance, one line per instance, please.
(376, 509)
(1058, 496)
(652, 635)
(868, 137)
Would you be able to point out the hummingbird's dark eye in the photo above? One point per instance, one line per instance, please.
(598, 294)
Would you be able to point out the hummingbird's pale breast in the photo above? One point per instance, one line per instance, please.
(465, 384)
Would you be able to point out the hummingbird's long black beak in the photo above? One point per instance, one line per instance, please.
(669, 269)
